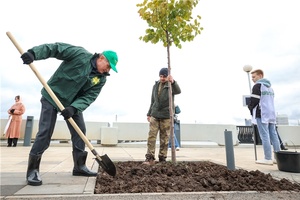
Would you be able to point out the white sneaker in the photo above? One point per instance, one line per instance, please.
(264, 162)
(177, 148)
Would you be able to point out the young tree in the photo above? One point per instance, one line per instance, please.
(171, 22)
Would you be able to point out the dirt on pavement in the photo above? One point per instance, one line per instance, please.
(200, 176)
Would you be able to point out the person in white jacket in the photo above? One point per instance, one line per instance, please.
(263, 114)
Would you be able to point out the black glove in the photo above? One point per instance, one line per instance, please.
(12, 111)
(68, 112)
(27, 57)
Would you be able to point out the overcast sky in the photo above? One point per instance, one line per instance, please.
(209, 70)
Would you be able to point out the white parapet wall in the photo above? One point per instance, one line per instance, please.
(189, 132)
(61, 131)
(290, 135)
(130, 131)
(208, 132)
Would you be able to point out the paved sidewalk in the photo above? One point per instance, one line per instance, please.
(58, 182)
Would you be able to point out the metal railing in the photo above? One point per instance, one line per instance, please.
(245, 134)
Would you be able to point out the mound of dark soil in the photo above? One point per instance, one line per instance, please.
(203, 176)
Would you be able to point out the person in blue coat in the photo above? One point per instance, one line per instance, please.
(176, 127)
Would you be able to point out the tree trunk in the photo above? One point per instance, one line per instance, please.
(171, 104)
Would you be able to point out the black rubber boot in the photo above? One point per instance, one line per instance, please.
(80, 168)
(33, 171)
(9, 142)
(15, 141)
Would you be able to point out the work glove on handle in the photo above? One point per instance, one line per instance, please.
(27, 57)
(68, 112)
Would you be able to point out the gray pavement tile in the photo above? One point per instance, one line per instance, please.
(9, 190)
(58, 182)
(13, 181)
(51, 189)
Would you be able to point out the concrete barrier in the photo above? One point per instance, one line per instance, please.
(109, 136)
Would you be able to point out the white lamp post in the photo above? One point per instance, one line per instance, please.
(248, 68)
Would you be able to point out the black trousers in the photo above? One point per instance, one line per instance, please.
(47, 122)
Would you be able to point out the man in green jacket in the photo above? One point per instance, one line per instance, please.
(77, 83)
(159, 116)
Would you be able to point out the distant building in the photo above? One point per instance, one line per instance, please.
(282, 120)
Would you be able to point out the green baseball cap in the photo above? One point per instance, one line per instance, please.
(112, 58)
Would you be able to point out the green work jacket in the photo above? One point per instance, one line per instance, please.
(159, 107)
(75, 83)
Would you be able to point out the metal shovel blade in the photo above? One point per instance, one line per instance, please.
(107, 165)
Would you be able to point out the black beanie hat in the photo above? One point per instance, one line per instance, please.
(164, 72)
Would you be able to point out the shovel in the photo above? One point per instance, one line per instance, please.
(104, 161)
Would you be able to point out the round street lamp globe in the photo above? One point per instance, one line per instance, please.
(247, 68)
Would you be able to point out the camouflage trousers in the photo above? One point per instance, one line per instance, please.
(163, 127)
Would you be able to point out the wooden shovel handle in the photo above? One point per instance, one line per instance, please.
(51, 93)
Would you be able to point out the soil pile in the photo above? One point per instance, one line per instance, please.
(202, 176)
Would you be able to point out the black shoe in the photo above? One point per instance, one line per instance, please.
(150, 160)
(33, 171)
(162, 159)
(284, 148)
(15, 141)
(80, 168)
(9, 142)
